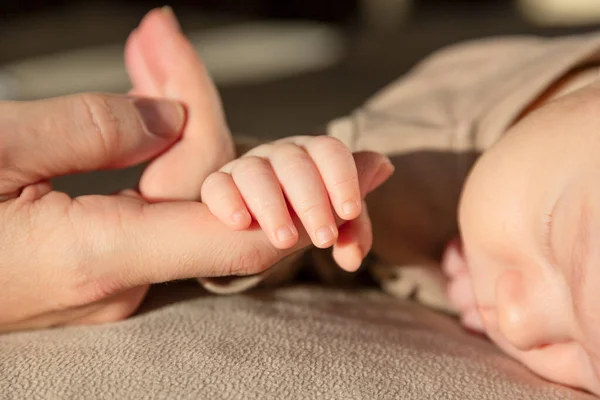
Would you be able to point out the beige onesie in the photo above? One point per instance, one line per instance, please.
(433, 123)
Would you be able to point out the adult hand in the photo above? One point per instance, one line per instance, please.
(162, 63)
(90, 259)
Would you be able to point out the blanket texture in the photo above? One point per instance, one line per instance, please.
(300, 342)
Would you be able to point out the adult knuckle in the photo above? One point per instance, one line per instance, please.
(12, 137)
(101, 124)
(66, 252)
(85, 252)
(250, 259)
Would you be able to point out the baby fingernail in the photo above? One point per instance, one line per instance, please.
(240, 216)
(357, 256)
(324, 235)
(350, 208)
(285, 233)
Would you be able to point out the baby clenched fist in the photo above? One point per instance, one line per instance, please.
(313, 179)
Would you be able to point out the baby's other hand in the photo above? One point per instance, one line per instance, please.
(312, 177)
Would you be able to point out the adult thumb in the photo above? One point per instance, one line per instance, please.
(84, 132)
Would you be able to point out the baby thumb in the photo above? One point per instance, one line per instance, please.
(373, 170)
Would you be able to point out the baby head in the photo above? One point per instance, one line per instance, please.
(530, 222)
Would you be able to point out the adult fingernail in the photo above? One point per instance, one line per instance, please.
(171, 17)
(383, 173)
(162, 118)
(324, 235)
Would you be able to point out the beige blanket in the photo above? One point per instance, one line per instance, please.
(290, 343)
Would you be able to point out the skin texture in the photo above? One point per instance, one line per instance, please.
(90, 259)
(526, 271)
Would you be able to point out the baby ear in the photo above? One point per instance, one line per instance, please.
(532, 312)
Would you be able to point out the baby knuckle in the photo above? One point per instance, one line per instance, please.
(266, 207)
(288, 147)
(295, 157)
(307, 209)
(347, 181)
(214, 181)
(260, 150)
(251, 168)
(228, 168)
(250, 164)
(331, 144)
(299, 139)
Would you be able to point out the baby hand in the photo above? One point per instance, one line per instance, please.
(300, 176)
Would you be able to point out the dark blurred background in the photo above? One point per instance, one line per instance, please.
(283, 66)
